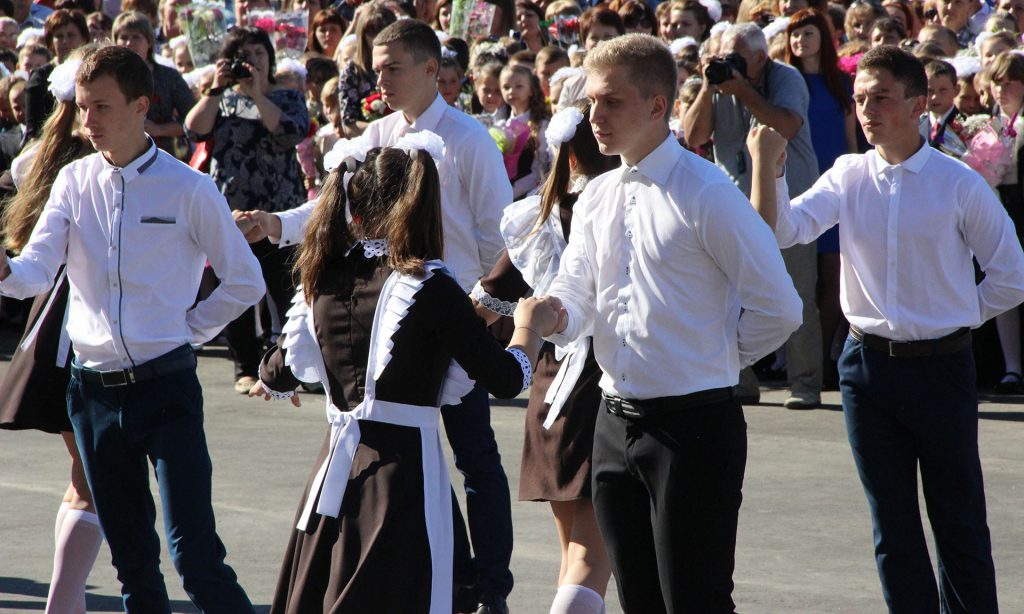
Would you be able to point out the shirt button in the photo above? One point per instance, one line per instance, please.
(629, 234)
(623, 377)
(623, 343)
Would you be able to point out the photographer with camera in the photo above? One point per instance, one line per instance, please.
(254, 126)
(744, 88)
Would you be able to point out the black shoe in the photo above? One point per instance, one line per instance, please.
(493, 605)
(464, 598)
(1010, 383)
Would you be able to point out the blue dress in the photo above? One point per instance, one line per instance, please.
(828, 136)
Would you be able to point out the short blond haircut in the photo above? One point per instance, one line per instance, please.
(649, 63)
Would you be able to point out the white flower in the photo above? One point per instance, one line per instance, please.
(562, 126)
(62, 80)
(423, 140)
(344, 150)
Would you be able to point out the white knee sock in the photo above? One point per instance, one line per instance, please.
(576, 599)
(78, 537)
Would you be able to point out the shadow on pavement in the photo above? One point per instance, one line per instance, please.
(13, 587)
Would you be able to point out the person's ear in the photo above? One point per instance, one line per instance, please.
(659, 107)
(920, 104)
(142, 105)
(432, 67)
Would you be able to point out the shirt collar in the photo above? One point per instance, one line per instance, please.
(657, 165)
(429, 119)
(941, 119)
(134, 168)
(914, 163)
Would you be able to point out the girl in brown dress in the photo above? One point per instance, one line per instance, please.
(36, 381)
(565, 397)
(392, 337)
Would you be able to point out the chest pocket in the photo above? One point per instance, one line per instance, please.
(158, 220)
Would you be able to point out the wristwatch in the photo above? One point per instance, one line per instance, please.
(214, 91)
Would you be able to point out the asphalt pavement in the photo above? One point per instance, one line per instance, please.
(804, 535)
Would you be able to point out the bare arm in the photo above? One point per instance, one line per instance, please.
(699, 119)
(768, 154)
(785, 121)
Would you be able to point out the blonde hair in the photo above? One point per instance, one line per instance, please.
(649, 63)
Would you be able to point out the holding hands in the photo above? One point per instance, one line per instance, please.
(542, 315)
(258, 225)
(767, 148)
(258, 390)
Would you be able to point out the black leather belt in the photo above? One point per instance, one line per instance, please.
(633, 408)
(176, 360)
(954, 342)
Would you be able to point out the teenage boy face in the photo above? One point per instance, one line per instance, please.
(400, 78)
(942, 92)
(111, 121)
(621, 117)
(885, 112)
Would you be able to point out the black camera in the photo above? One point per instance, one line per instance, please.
(239, 70)
(720, 70)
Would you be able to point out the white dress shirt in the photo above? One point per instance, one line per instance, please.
(474, 188)
(661, 259)
(906, 235)
(136, 240)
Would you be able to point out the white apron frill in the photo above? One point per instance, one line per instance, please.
(537, 252)
(306, 362)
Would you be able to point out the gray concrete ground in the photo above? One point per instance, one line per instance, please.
(804, 536)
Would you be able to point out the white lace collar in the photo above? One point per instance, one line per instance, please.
(372, 248)
(578, 185)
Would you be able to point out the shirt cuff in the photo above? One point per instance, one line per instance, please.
(275, 395)
(293, 224)
(498, 306)
(524, 364)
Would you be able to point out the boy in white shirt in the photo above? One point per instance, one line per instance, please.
(135, 227)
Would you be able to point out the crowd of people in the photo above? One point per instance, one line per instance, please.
(434, 202)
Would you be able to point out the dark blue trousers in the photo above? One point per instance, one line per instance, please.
(909, 414)
(488, 502)
(120, 432)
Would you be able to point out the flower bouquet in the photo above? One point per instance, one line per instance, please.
(471, 19)
(288, 30)
(989, 147)
(204, 28)
(511, 138)
(564, 30)
(374, 107)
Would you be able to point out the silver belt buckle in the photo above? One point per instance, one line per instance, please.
(894, 345)
(112, 379)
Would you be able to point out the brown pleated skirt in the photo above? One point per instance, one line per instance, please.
(375, 557)
(34, 389)
(556, 461)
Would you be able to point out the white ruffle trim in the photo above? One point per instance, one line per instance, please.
(275, 395)
(302, 352)
(373, 248)
(535, 254)
(524, 364)
(498, 306)
(457, 383)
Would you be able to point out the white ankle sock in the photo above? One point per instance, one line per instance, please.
(576, 599)
(78, 537)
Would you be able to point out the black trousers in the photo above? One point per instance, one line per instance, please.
(244, 347)
(667, 493)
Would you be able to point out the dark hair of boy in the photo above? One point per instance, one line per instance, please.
(906, 68)
(129, 70)
(416, 36)
(939, 68)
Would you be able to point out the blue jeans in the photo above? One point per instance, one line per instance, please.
(905, 413)
(488, 502)
(160, 421)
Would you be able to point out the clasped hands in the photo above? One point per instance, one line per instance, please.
(544, 316)
(258, 225)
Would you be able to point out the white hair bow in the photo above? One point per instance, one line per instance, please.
(423, 140)
(562, 126)
(346, 152)
(62, 80)
(714, 9)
